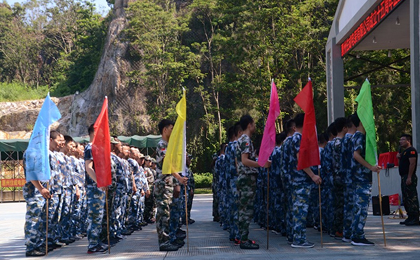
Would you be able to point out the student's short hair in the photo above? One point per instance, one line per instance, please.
(68, 139)
(408, 137)
(349, 123)
(54, 134)
(331, 130)
(299, 119)
(91, 129)
(280, 138)
(289, 125)
(340, 123)
(231, 132)
(322, 138)
(245, 121)
(355, 119)
(237, 128)
(164, 123)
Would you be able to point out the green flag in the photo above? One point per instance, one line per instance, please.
(365, 113)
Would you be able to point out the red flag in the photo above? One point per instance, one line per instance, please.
(269, 137)
(309, 151)
(101, 148)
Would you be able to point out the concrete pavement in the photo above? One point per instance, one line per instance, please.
(208, 241)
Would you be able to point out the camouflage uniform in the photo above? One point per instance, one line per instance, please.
(175, 212)
(260, 204)
(338, 190)
(163, 192)
(95, 204)
(327, 187)
(58, 165)
(276, 210)
(287, 183)
(362, 188)
(135, 200)
(215, 191)
(66, 198)
(190, 191)
(221, 189)
(78, 205)
(150, 202)
(145, 187)
(347, 155)
(118, 205)
(232, 176)
(246, 185)
(409, 192)
(127, 195)
(300, 191)
(35, 218)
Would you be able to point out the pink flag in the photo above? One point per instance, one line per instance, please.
(269, 137)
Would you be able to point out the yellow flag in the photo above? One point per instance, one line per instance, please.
(174, 161)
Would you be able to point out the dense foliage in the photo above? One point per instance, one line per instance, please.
(224, 52)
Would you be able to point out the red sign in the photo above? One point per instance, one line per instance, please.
(375, 18)
(12, 183)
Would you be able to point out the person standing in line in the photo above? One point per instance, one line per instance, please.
(407, 168)
(95, 201)
(246, 182)
(362, 171)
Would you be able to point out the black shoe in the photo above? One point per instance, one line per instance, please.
(168, 247)
(149, 221)
(412, 223)
(305, 244)
(120, 237)
(97, 249)
(54, 246)
(361, 242)
(34, 253)
(42, 248)
(249, 245)
(126, 232)
(180, 243)
(403, 222)
(181, 236)
(143, 224)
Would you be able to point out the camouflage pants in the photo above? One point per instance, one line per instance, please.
(246, 185)
(175, 216)
(107, 217)
(95, 204)
(327, 207)
(115, 224)
(215, 213)
(362, 192)
(190, 202)
(348, 209)
(410, 197)
(54, 216)
(127, 209)
(34, 221)
(289, 213)
(234, 215)
(149, 205)
(313, 210)
(300, 197)
(65, 219)
(76, 213)
(338, 206)
(135, 208)
(163, 192)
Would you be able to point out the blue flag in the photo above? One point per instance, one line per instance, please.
(36, 155)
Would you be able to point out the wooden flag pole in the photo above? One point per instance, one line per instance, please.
(107, 220)
(186, 217)
(320, 210)
(46, 236)
(268, 200)
(380, 207)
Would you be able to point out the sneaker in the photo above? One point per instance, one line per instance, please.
(403, 222)
(361, 242)
(191, 221)
(346, 239)
(180, 243)
(289, 241)
(276, 232)
(249, 245)
(168, 247)
(305, 244)
(412, 223)
(97, 249)
(237, 242)
(34, 253)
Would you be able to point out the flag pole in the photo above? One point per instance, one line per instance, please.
(46, 236)
(107, 220)
(320, 210)
(380, 207)
(268, 200)
(186, 217)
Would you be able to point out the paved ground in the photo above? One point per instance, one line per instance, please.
(208, 241)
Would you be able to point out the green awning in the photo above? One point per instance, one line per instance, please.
(141, 141)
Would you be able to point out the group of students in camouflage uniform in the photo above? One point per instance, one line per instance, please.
(344, 177)
(76, 206)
